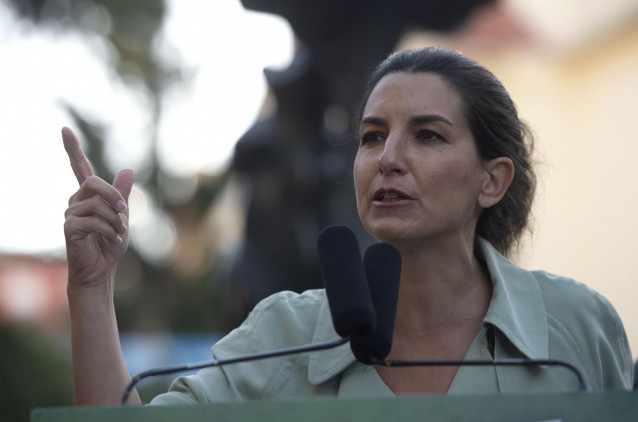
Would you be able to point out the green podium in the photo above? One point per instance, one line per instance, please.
(568, 407)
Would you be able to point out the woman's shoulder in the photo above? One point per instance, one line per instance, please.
(283, 319)
(565, 295)
(578, 307)
(307, 301)
(584, 324)
(563, 298)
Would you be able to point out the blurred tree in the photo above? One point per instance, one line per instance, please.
(150, 294)
(32, 373)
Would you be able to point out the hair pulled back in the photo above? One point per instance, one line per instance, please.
(495, 126)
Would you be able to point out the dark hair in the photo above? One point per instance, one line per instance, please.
(495, 126)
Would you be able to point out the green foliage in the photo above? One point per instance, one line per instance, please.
(33, 373)
(129, 26)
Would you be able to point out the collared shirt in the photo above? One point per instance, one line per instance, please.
(532, 314)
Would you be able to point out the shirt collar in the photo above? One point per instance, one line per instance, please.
(517, 310)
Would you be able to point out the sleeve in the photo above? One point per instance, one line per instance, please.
(615, 353)
(589, 332)
(282, 320)
(601, 334)
(194, 389)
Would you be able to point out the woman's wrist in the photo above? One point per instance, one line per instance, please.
(90, 293)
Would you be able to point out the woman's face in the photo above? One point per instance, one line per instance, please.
(417, 173)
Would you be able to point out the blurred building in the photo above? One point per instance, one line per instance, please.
(33, 291)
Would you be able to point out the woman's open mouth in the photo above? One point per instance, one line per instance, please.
(390, 196)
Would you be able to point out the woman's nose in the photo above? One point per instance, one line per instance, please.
(392, 158)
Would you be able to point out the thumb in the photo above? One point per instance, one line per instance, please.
(123, 182)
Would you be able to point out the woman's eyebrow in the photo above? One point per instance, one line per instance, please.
(426, 118)
(373, 121)
(415, 120)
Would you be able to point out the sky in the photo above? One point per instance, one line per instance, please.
(44, 69)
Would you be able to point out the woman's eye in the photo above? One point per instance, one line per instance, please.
(371, 138)
(428, 136)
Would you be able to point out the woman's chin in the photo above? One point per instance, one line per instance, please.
(390, 234)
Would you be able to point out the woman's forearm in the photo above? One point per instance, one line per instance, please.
(99, 372)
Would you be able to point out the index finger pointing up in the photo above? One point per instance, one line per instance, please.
(79, 163)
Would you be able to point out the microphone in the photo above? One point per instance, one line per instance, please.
(344, 278)
(382, 264)
(348, 296)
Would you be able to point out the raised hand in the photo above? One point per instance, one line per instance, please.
(96, 238)
(96, 223)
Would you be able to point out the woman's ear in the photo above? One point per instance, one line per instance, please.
(499, 175)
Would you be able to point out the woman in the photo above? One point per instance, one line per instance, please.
(442, 173)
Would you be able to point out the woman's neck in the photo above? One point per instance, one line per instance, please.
(440, 289)
(443, 297)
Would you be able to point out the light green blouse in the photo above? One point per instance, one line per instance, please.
(533, 314)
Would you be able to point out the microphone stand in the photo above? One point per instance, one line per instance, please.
(496, 362)
(373, 361)
(221, 362)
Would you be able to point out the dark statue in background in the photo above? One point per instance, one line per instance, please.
(297, 162)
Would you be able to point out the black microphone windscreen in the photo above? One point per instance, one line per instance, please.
(344, 278)
(382, 263)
